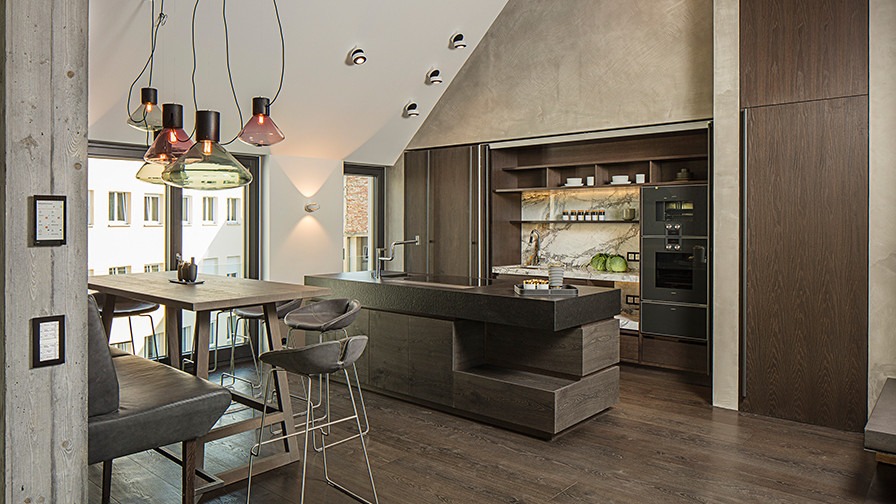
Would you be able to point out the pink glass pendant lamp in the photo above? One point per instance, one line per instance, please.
(261, 130)
(172, 142)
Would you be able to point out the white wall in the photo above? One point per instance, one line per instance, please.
(296, 243)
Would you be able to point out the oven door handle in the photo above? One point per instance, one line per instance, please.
(699, 254)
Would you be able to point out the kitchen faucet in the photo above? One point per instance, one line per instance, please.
(535, 241)
(380, 258)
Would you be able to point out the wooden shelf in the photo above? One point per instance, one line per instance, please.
(594, 187)
(530, 221)
(551, 165)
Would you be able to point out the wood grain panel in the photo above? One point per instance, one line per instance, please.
(44, 151)
(802, 50)
(430, 373)
(629, 347)
(450, 210)
(683, 355)
(806, 237)
(580, 400)
(388, 351)
(416, 201)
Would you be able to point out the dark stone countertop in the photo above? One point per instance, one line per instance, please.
(495, 303)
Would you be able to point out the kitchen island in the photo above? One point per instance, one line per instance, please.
(472, 347)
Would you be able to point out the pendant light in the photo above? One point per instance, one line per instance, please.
(261, 130)
(147, 116)
(207, 165)
(173, 141)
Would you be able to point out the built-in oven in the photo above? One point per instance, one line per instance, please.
(674, 269)
(679, 210)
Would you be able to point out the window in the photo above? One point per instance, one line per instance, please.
(363, 205)
(119, 208)
(119, 270)
(90, 208)
(187, 211)
(152, 268)
(208, 266)
(152, 211)
(208, 209)
(233, 211)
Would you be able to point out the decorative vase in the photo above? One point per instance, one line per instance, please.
(190, 270)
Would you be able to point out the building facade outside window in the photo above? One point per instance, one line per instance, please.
(209, 204)
(119, 208)
(187, 211)
(119, 270)
(233, 211)
(152, 268)
(152, 209)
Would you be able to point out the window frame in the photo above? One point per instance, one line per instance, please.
(158, 208)
(378, 173)
(213, 208)
(234, 217)
(126, 202)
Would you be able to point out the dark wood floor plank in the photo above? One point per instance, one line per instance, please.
(662, 443)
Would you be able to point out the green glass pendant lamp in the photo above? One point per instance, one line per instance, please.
(147, 116)
(207, 165)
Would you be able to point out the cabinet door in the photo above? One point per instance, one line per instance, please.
(797, 51)
(806, 272)
(387, 351)
(451, 210)
(416, 210)
(430, 350)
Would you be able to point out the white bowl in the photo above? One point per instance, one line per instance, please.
(574, 180)
(620, 178)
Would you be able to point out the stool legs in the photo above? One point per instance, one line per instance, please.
(231, 374)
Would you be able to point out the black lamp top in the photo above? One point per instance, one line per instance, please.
(261, 105)
(149, 95)
(172, 115)
(208, 125)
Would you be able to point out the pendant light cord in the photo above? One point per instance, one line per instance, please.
(154, 35)
(282, 52)
(236, 101)
(193, 41)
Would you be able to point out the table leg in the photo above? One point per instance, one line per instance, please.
(108, 315)
(201, 333)
(172, 335)
(281, 384)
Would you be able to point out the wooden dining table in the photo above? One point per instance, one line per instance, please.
(214, 293)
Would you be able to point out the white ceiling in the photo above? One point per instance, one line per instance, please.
(327, 109)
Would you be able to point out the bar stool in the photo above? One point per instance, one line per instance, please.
(127, 307)
(325, 316)
(320, 359)
(245, 315)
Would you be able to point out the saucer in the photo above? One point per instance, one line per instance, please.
(573, 185)
(184, 282)
(621, 183)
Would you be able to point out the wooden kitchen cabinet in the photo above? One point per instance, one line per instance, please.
(806, 273)
(798, 51)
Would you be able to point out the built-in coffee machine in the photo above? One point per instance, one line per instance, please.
(675, 261)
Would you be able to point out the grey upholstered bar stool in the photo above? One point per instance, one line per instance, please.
(320, 359)
(127, 307)
(245, 315)
(322, 317)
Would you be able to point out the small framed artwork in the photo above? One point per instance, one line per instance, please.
(49, 221)
(47, 341)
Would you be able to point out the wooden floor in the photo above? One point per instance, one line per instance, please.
(663, 443)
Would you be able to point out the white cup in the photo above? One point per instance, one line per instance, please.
(620, 179)
(589, 181)
(640, 178)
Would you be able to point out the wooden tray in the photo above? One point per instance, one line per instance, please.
(562, 291)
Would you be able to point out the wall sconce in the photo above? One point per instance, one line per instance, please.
(356, 56)
(457, 41)
(312, 207)
(434, 76)
(411, 110)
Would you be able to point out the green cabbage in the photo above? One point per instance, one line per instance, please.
(617, 264)
(599, 262)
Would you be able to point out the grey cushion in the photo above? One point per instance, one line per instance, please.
(880, 431)
(159, 405)
(323, 316)
(102, 384)
(257, 312)
(320, 358)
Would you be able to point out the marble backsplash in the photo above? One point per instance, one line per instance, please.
(574, 244)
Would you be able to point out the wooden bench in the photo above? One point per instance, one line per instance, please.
(880, 431)
(135, 404)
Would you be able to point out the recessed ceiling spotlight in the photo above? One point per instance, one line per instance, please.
(356, 56)
(434, 76)
(411, 109)
(457, 41)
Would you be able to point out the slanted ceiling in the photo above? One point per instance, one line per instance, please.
(327, 109)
